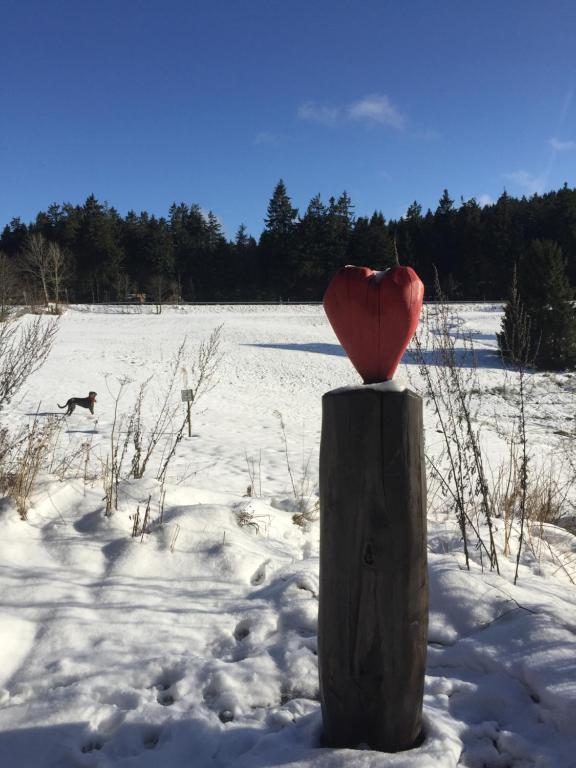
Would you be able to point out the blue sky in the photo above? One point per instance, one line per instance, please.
(146, 102)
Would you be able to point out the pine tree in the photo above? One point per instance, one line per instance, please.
(314, 248)
(214, 231)
(157, 257)
(241, 239)
(188, 228)
(515, 338)
(407, 234)
(414, 212)
(468, 234)
(445, 204)
(503, 243)
(371, 243)
(243, 266)
(98, 251)
(281, 216)
(277, 249)
(549, 302)
(442, 246)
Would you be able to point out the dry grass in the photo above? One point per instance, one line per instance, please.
(521, 492)
(23, 457)
(307, 507)
(446, 360)
(246, 517)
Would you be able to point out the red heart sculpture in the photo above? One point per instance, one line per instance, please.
(374, 315)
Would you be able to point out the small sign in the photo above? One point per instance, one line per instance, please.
(187, 395)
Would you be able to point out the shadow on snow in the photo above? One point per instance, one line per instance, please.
(482, 358)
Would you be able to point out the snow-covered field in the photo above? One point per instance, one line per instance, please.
(195, 644)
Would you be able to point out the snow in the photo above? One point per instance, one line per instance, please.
(195, 644)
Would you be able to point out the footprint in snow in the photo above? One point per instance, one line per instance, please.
(151, 738)
(242, 630)
(259, 575)
(91, 746)
(124, 700)
(165, 686)
(165, 697)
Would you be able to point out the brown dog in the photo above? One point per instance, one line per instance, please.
(84, 402)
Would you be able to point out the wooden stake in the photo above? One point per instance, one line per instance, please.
(373, 617)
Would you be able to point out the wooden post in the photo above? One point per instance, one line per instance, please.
(188, 398)
(373, 613)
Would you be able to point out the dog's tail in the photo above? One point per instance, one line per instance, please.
(62, 406)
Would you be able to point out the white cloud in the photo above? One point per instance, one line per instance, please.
(562, 146)
(376, 108)
(318, 113)
(484, 199)
(532, 185)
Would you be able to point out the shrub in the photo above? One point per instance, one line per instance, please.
(24, 347)
(548, 300)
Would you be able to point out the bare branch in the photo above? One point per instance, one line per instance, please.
(24, 347)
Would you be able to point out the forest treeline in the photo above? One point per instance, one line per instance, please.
(103, 256)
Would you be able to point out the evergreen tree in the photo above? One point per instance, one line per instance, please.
(214, 234)
(562, 225)
(277, 249)
(133, 236)
(314, 246)
(371, 243)
(218, 262)
(442, 246)
(340, 225)
(281, 216)
(157, 250)
(14, 237)
(414, 212)
(474, 248)
(445, 204)
(503, 243)
(515, 338)
(468, 232)
(244, 266)
(98, 250)
(190, 241)
(549, 302)
(343, 210)
(8, 284)
(407, 234)
(241, 239)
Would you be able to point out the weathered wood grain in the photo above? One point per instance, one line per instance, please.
(373, 614)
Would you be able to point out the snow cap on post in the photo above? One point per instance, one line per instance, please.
(374, 315)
